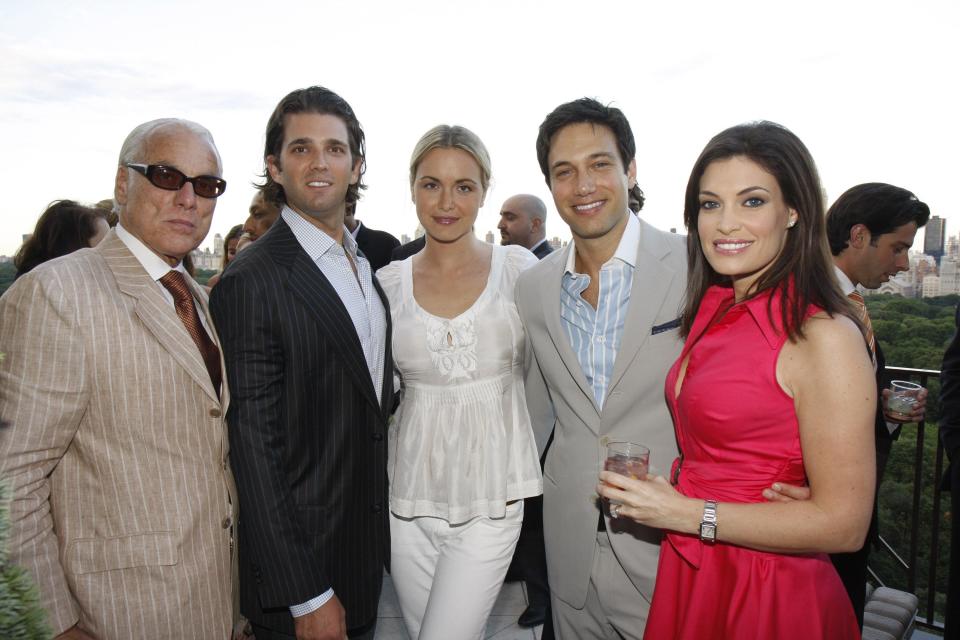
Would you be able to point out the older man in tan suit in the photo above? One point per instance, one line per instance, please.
(112, 387)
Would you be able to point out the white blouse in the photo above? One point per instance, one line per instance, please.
(461, 445)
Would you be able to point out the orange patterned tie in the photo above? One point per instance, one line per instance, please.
(175, 283)
(861, 305)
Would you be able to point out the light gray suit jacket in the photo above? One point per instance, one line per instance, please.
(561, 401)
(116, 450)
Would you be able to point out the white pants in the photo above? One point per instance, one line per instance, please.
(447, 577)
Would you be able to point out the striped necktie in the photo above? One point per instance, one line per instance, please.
(175, 283)
(861, 307)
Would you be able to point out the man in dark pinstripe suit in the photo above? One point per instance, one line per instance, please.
(306, 340)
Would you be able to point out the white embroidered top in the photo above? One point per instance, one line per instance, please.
(461, 445)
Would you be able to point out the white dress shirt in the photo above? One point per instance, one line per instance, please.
(156, 268)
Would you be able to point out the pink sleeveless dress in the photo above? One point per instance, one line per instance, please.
(738, 433)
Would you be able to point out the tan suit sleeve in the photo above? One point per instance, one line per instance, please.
(542, 415)
(43, 397)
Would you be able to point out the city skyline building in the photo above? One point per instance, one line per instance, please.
(934, 237)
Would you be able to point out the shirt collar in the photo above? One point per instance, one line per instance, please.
(154, 265)
(764, 309)
(534, 247)
(626, 251)
(356, 230)
(314, 241)
(846, 284)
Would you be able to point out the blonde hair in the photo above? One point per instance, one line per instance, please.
(445, 136)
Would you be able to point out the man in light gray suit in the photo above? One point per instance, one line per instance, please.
(602, 322)
(116, 450)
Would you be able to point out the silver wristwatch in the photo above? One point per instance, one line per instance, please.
(708, 525)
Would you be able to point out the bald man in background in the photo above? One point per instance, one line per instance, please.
(523, 221)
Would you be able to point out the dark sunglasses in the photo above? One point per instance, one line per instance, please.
(164, 177)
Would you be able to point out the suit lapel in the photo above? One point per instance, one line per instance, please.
(652, 282)
(155, 312)
(551, 313)
(386, 389)
(307, 284)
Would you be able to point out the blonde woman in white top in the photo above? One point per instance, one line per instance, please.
(462, 453)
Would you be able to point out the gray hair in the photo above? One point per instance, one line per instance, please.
(133, 146)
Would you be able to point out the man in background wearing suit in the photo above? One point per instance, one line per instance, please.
(123, 508)
(306, 340)
(950, 437)
(375, 245)
(413, 247)
(871, 228)
(602, 323)
(523, 221)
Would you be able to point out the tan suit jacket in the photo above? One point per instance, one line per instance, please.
(116, 450)
(561, 401)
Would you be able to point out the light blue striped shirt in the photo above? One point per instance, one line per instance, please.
(363, 304)
(595, 334)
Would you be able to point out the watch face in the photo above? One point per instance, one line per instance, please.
(708, 532)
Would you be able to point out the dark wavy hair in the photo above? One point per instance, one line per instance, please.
(64, 227)
(593, 112)
(233, 234)
(881, 208)
(311, 100)
(804, 259)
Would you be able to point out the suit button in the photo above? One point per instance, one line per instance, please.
(377, 507)
(227, 522)
(377, 436)
(215, 413)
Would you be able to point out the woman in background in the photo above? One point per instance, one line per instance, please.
(63, 228)
(462, 453)
(229, 251)
(774, 384)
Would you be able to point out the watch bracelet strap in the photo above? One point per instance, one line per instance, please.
(709, 521)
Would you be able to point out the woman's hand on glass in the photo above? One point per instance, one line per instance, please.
(651, 501)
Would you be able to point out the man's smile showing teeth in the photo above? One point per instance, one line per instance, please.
(318, 183)
(586, 208)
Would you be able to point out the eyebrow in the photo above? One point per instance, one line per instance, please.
(302, 141)
(592, 156)
(705, 192)
(458, 181)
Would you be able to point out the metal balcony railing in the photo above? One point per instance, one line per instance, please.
(914, 572)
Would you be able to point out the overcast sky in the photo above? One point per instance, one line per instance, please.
(869, 86)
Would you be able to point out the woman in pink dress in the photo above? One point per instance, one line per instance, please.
(774, 384)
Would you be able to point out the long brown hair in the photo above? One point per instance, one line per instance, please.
(64, 227)
(805, 257)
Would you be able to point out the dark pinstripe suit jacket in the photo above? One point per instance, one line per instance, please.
(308, 436)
